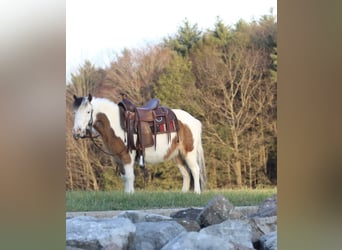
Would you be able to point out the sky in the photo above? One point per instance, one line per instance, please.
(97, 30)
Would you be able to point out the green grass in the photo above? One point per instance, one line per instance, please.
(118, 200)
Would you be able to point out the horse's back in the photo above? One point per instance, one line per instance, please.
(193, 123)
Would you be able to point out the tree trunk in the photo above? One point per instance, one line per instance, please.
(263, 160)
(229, 176)
(237, 168)
(212, 174)
(237, 162)
(250, 175)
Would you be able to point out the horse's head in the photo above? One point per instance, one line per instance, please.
(83, 116)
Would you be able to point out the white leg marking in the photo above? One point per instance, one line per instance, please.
(128, 178)
(186, 178)
(195, 170)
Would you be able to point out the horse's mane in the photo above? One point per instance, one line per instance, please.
(103, 100)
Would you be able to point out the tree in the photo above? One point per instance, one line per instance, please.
(186, 39)
(86, 80)
(176, 86)
(136, 71)
(264, 33)
(241, 33)
(221, 33)
(274, 66)
(235, 89)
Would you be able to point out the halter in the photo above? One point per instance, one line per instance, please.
(90, 122)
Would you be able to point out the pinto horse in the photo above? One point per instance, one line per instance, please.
(101, 116)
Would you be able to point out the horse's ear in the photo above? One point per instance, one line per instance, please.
(90, 97)
(75, 97)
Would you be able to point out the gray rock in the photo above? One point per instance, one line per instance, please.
(154, 235)
(262, 225)
(216, 211)
(87, 232)
(73, 248)
(238, 232)
(198, 241)
(236, 215)
(240, 213)
(187, 218)
(223, 227)
(237, 246)
(190, 213)
(267, 208)
(189, 225)
(269, 241)
(137, 216)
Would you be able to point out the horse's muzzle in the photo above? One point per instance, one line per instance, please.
(78, 133)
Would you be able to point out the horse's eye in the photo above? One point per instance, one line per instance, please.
(88, 112)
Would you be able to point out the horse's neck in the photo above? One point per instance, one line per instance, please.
(111, 110)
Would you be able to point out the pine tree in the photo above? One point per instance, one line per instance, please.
(185, 40)
(221, 33)
(176, 86)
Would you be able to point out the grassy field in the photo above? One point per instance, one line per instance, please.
(118, 200)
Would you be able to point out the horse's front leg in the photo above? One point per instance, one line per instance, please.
(128, 178)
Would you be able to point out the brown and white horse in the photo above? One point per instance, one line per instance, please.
(100, 115)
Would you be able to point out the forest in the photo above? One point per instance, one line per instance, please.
(225, 76)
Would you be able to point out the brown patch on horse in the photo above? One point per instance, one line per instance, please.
(184, 139)
(188, 140)
(112, 142)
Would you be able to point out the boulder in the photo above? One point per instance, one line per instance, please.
(264, 220)
(154, 235)
(267, 208)
(137, 216)
(190, 213)
(198, 241)
(219, 225)
(73, 248)
(189, 225)
(269, 241)
(216, 211)
(238, 232)
(240, 213)
(262, 225)
(187, 218)
(87, 232)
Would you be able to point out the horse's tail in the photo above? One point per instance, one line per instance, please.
(201, 162)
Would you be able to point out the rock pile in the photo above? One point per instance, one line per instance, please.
(219, 225)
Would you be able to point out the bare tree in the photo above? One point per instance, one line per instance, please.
(135, 72)
(235, 88)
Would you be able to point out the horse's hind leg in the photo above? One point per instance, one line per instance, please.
(186, 177)
(191, 161)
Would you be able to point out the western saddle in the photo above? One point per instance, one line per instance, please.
(146, 121)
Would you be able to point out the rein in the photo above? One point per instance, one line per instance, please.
(92, 139)
(88, 130)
